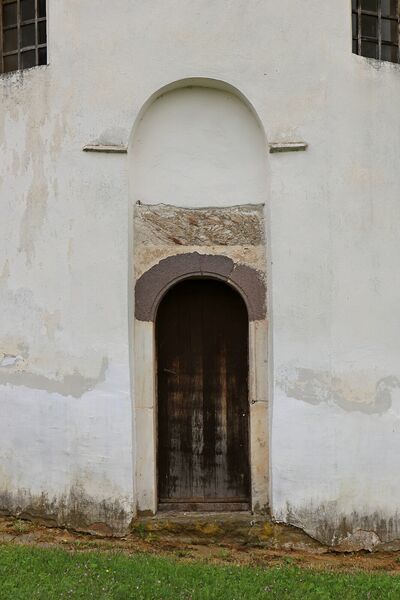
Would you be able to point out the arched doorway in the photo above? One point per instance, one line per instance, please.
(197, 146)
(203, 405)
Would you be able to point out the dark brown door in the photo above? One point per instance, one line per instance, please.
(203, 409)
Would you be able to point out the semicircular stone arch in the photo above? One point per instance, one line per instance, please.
(154, 283)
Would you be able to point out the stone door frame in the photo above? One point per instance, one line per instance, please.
(149, 290)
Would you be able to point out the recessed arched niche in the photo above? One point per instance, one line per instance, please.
(198, 146)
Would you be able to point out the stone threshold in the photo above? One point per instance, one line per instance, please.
(240, 528)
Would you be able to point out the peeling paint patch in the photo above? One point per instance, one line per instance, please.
(357, 530)
(74, 384)
(353, 392)
(10, 360)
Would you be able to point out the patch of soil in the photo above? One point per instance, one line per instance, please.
(17, 531)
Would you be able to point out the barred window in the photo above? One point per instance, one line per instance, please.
(23, 34)
(376, 25)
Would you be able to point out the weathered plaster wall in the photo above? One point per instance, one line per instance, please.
(332, 231)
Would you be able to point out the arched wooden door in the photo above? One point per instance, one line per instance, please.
(203, 408)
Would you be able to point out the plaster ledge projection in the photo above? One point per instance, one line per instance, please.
(278, 147)
(274, 148)
(106, 149)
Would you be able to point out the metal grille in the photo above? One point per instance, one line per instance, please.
(376, 25)
(23, 34)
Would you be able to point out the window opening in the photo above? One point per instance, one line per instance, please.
(23, 34)
(376, 25)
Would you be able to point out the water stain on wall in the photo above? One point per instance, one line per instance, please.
(345, 532)
(71, 384)
(75, 508)
(37, 195)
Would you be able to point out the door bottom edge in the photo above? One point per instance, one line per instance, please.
(203, 507)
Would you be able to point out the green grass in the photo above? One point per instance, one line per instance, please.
(53, 574)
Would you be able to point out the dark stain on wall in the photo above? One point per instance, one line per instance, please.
(350, 532)
(76, 510)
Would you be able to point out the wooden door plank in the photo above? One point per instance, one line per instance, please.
(202, 353)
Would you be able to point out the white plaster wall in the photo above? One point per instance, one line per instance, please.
(332, 233)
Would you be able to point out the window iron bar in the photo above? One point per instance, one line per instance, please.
(21, 26)
(372, 46)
